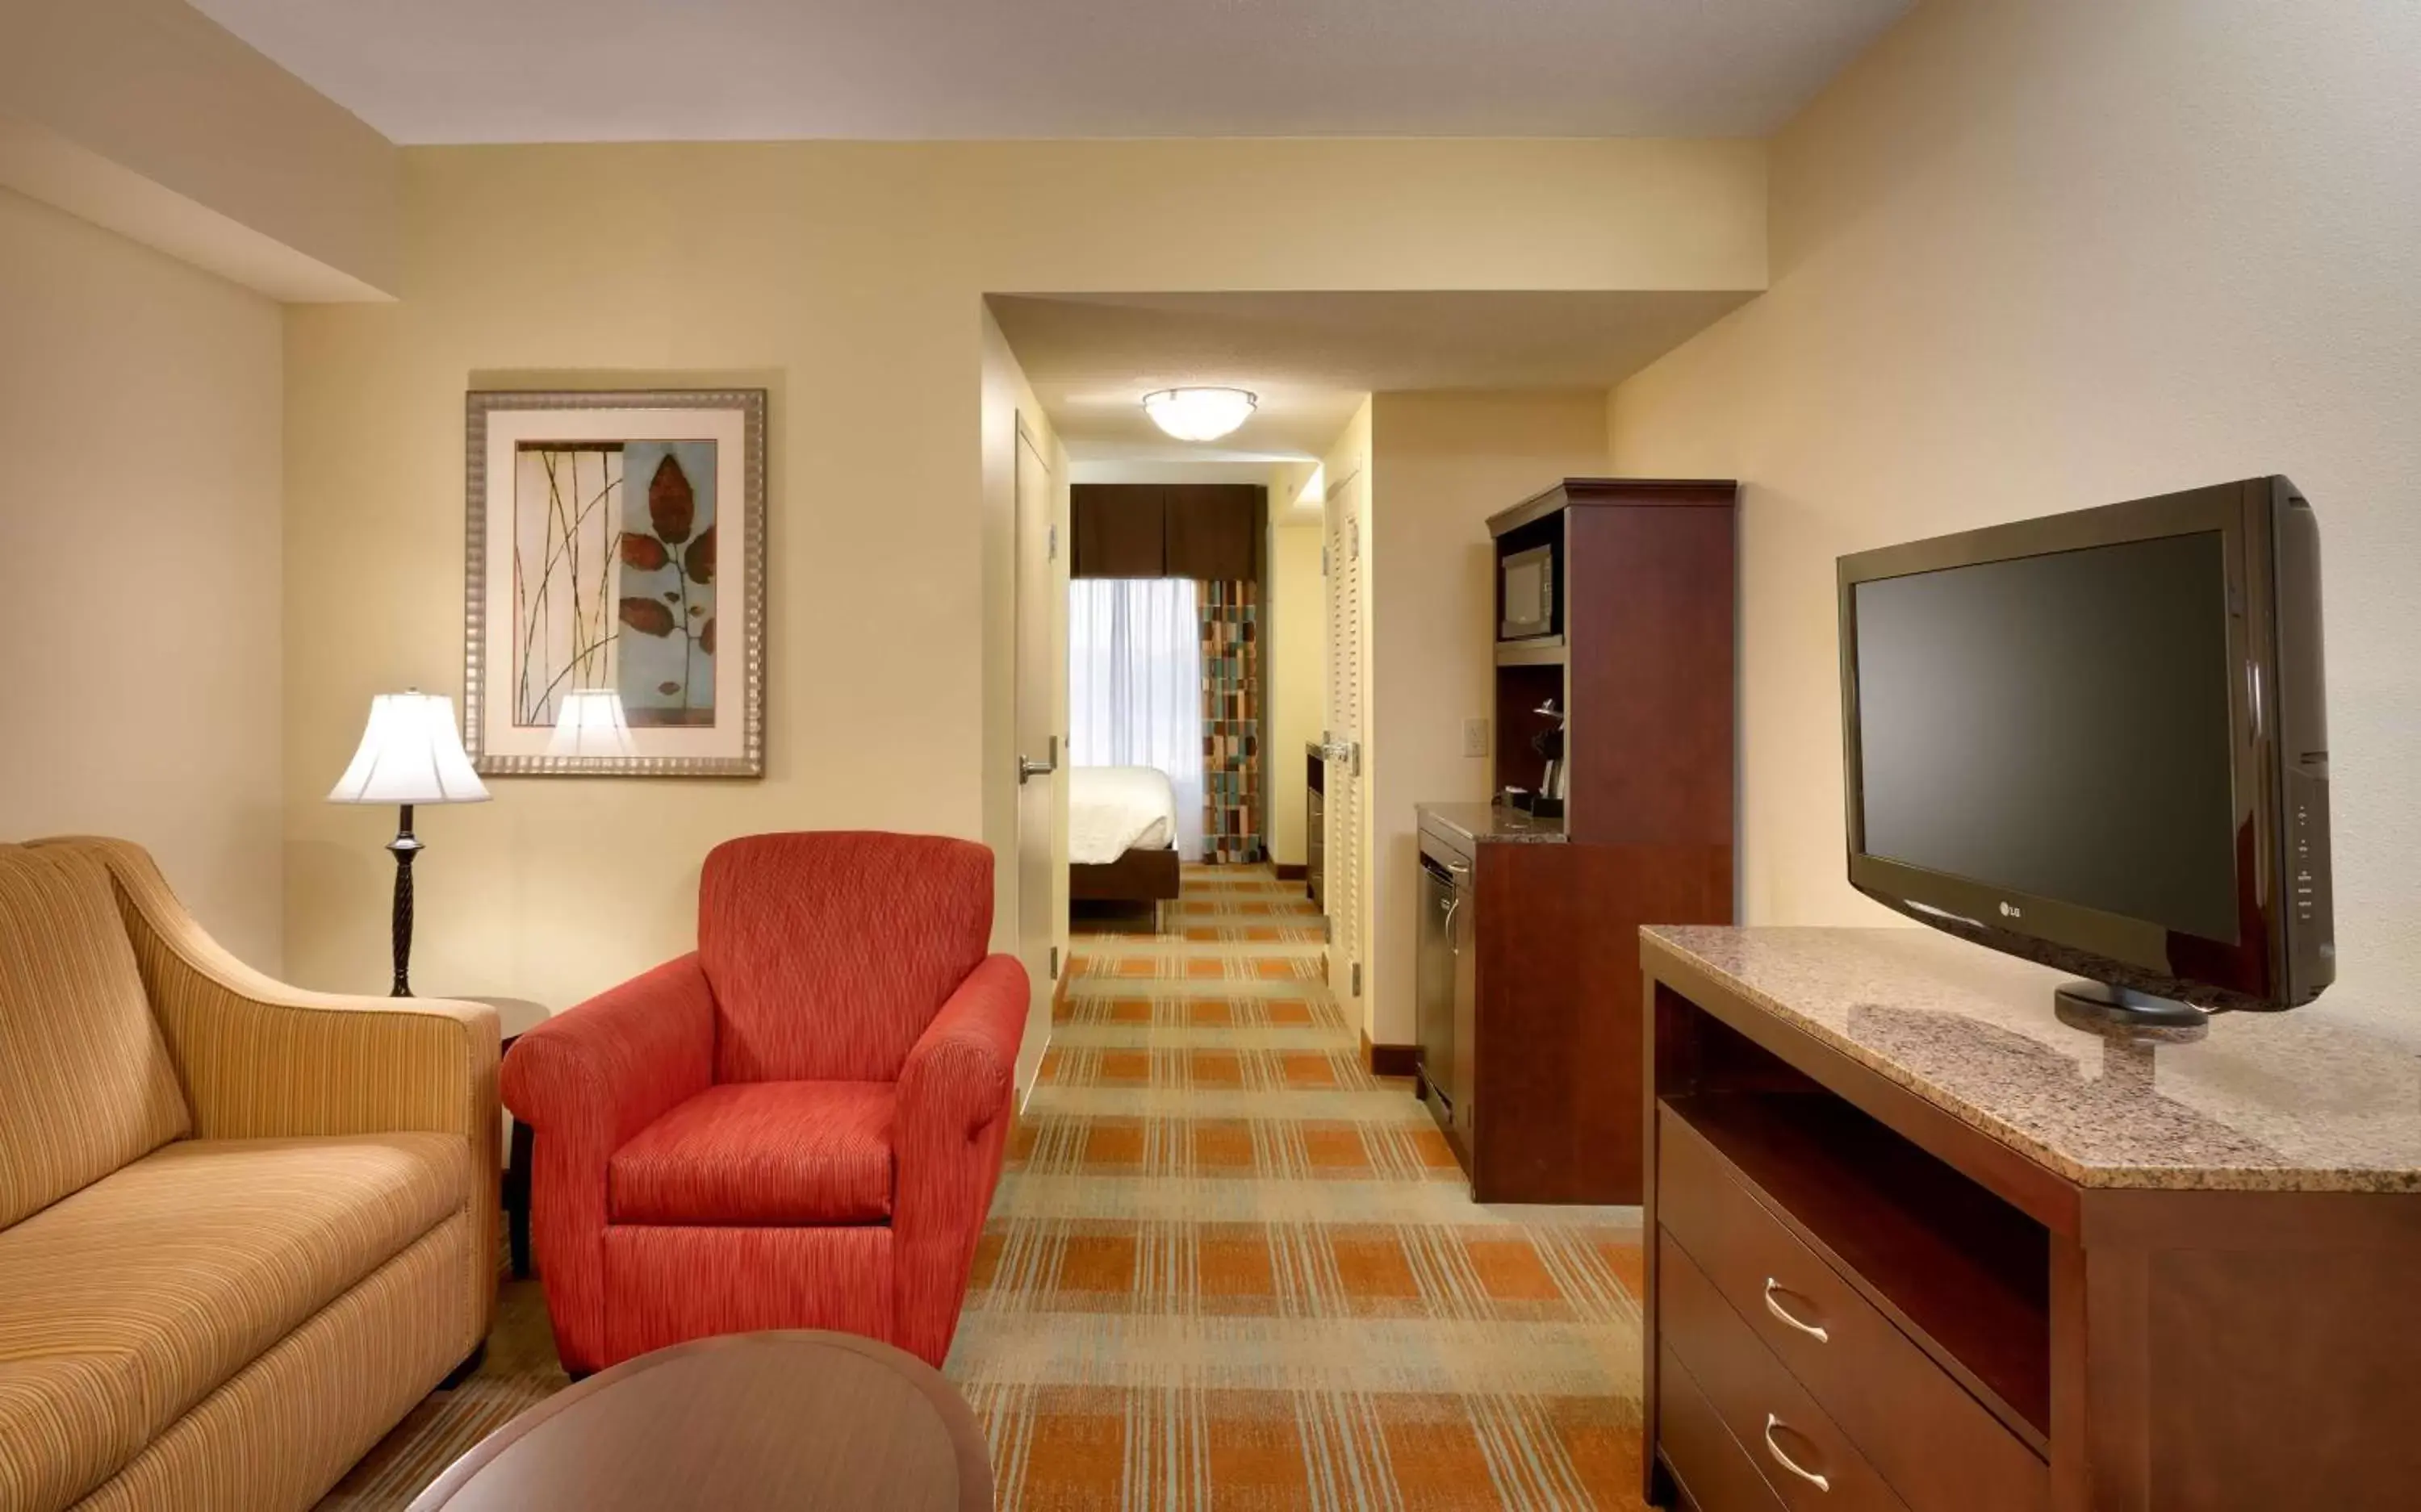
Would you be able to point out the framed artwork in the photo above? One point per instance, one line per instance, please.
(617, 543)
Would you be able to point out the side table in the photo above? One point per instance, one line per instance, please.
(516, 1016)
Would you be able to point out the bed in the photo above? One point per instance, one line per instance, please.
(1121, 835)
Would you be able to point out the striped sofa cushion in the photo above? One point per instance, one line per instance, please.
(124, 1305)
(86, 1085)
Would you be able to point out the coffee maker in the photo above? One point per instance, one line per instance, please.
(1549, 743)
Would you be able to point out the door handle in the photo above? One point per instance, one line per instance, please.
(1027, 767)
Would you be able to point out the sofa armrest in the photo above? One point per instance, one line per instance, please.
(259, 1059)
(586, 1081)
(956, 1095)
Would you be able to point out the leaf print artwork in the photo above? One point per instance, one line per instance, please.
(672, 503)
(594, 568)
(665, 663)
(567, 504)
(648, 617)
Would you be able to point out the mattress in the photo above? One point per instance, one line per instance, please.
(1112, 810)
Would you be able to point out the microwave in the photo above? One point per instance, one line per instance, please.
(1526, 597)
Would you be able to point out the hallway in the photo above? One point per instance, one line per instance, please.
(1227, 1267)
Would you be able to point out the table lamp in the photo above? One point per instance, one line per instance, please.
(409, 754)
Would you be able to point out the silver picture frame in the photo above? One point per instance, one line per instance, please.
(505, 750)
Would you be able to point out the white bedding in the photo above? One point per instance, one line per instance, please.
(1113, 810)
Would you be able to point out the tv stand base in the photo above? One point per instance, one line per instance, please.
(2101, 1008)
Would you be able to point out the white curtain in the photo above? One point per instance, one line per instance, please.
(1135, 685)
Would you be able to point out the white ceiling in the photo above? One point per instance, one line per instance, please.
(1311, 357)
(574, 71)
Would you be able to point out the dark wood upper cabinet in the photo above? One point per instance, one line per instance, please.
(1644, 670)
(1650, 687)
(1206, 531)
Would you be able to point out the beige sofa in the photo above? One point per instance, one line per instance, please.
(242, 1228)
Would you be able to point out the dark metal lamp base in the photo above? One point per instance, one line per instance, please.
(403, 848)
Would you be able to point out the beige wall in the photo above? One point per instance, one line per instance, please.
(1446, 462)
(139, 418)
(2031, 257)
(1295, 669)
(850, 277)
(147, 117)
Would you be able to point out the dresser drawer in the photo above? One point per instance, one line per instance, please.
(1805, 1456)
(1716, 1472)
(1939, 1448)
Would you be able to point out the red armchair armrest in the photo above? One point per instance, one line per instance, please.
(586, 1081)
(956, 1094)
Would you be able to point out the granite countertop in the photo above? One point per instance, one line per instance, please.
(2325, 1097)
(1491, 823)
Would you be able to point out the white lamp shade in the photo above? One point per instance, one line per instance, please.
(409, 753)
(1199, 413)
(590, 723)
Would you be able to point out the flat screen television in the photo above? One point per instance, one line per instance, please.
(2098, 740)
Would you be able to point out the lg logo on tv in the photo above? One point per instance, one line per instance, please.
(2011, 910)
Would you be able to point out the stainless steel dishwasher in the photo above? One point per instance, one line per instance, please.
(1440, 972)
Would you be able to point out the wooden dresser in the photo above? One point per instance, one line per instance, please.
(1914, 1245)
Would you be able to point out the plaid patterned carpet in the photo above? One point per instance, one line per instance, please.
(1227, 1269)
(1230, 1269)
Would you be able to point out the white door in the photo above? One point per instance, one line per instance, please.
(1037, 740)
(1348, 664)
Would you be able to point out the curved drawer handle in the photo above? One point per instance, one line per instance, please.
(1821, 1481)
(1811, 1330)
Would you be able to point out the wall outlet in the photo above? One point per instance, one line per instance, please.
(1475, 737)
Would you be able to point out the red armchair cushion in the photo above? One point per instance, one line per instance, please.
(760, 1153)
(830, 952)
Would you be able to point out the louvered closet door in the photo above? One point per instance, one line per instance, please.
(1346, 663)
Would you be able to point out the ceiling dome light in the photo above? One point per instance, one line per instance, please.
(1199, 413)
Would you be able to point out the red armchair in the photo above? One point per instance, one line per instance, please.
(799, 1124)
